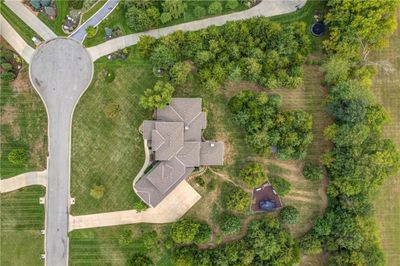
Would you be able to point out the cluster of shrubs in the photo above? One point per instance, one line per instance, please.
(266, 243)
(361, 157)
(255, 50)
(266, 125)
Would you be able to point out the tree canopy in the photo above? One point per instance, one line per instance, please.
(158, 96)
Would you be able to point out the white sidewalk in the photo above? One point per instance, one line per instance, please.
(23, 180)
(30, 19)
(12, 37)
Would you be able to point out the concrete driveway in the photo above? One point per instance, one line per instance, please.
(173, 207)
(60, 70)
(80, 33)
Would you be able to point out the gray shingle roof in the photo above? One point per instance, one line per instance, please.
(175, 140)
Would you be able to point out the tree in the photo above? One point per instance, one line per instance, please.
(179, 73)
(234, 198)
(140, 260)
(313, 172)
(199, 11)
(138, 19)
(204, 234)
(175, 7)
(184, 231)
(18, 156)
(232, 4)
(91, 31)
(229, 224)
(289, 215)
(146, 45)
(337, 70)
(310, 244)
(97, 191)
(76, 4)
(157, 97)
(214, 8)
(357, 26)
(280, 185)
(253, 174)
(163, 57)
(165, 17)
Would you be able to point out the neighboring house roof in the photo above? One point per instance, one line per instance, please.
(175, 140)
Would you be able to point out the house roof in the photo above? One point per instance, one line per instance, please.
(175, 141)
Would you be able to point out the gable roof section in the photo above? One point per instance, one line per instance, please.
(168, 139)
(189, 155)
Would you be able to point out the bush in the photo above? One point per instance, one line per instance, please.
(200, 181)
(289, 215)
(204, 234)
(229, 224)
(211, 184)
(214, 8)
(91, 31)
(313, 172)
(140, 260)
(337, 69)
(110, 76)
(125, 238)
(234, 198)
(310, 244)
(184, 231)
(18, 156)
(75, 4)
(150, 239)
(199, 11)
(253, 175)
(157, 97)
(232, 4)
(97, 192)
(280, 185)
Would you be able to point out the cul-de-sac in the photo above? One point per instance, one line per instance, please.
(199, 132)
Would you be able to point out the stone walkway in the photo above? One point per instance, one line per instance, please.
(12, 37)
(23, 180)
(266, 8)
(30, 19)
(174, 206)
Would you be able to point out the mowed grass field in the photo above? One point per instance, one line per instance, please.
(107, 148)
(387, 90)
(22, 218)
(23, 124)
(115, 245)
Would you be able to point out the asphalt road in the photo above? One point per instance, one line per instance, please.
(102, 13)
(60, 70)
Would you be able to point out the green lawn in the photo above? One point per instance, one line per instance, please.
(114, 245)
(117, 18)
(56, 24)
(93, 10)
(387, 90)
(22, 218)
(108, 150)
(19, 26)
(23, 124)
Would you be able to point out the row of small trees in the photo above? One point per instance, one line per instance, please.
(361, 158)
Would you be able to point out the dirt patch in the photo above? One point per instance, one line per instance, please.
(9, 117)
